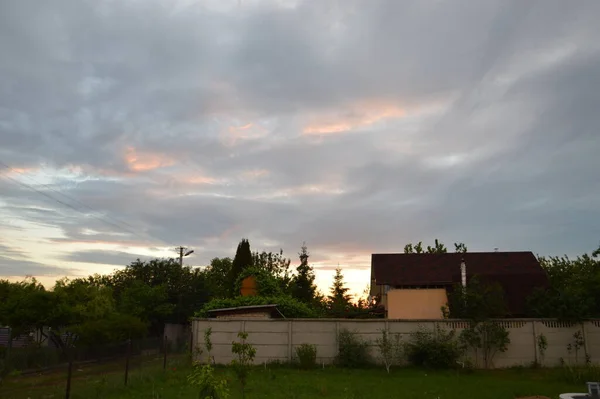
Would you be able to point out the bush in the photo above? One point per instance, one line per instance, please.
(288, 306)
(353, 352)
(431, 349)
(307, 356)
(245, 356)
(389, 348)
(209, 386)
(488, 337)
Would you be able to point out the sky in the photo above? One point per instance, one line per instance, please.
(129, 127)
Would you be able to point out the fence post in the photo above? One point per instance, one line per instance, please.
(127, 360)
(165, 344)
(69, 374)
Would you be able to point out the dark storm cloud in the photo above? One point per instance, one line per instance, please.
(465, 121)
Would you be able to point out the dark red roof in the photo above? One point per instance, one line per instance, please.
(517, 272)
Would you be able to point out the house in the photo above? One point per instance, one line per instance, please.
(247, 312)
(416, 286)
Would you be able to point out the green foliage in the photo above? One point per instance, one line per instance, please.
(573, 294)
(576, 375)
(542, 345)
(243, 260)
(390, 349)
(25, 306)
(277, 266)
(149, 303)
(353, 352)
(487, 338)
(478, 301)
(433, 349)
(577, 343)
(307, 356)
(338, 301)
(208, 344)
(184, 290)
(288, 306)
(460, 248)
(209, 386)
(266, 283)
(437, 248)
(217, 277)
(245, 356)
(303, 284)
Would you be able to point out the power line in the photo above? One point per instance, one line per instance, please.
(49, 187)
(72, 207)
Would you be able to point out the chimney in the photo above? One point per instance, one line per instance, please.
(463, 273)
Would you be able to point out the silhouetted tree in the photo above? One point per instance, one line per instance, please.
(303, 284)
(242, 260)
(338, 301)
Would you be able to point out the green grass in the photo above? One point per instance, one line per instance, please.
(150, 381)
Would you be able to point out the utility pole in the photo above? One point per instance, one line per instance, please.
(183, 252)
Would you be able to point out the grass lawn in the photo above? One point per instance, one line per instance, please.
(150, 381)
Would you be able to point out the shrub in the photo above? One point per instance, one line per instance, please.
(433, 349)
(307, 356)
(390, 349)
(353, 352)
(210, 387)
(488, 337)
(245, 355)
(542, 344)
(287, 305)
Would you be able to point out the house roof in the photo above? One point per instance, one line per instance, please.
(517, 272)
(241, 310)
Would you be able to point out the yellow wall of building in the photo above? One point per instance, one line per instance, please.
(416, 303)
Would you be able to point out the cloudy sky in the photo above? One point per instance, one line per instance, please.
(128, 127)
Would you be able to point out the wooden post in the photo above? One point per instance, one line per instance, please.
(128, 354)
(69, 374)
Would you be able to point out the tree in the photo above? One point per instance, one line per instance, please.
(217, 277)
(303, 284)
(26, 306)
(477, 301)
(185, 287)
(242, 260)
(437, 248)
(276, 265)
(460, 248)
(573, 294)
(338, 302)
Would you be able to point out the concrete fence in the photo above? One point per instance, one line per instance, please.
(276, 340)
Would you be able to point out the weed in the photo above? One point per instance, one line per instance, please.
(307, 356)
(353, 352)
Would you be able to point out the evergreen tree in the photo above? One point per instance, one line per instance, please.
(338, 302)
(242, 261)
(303, 287)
